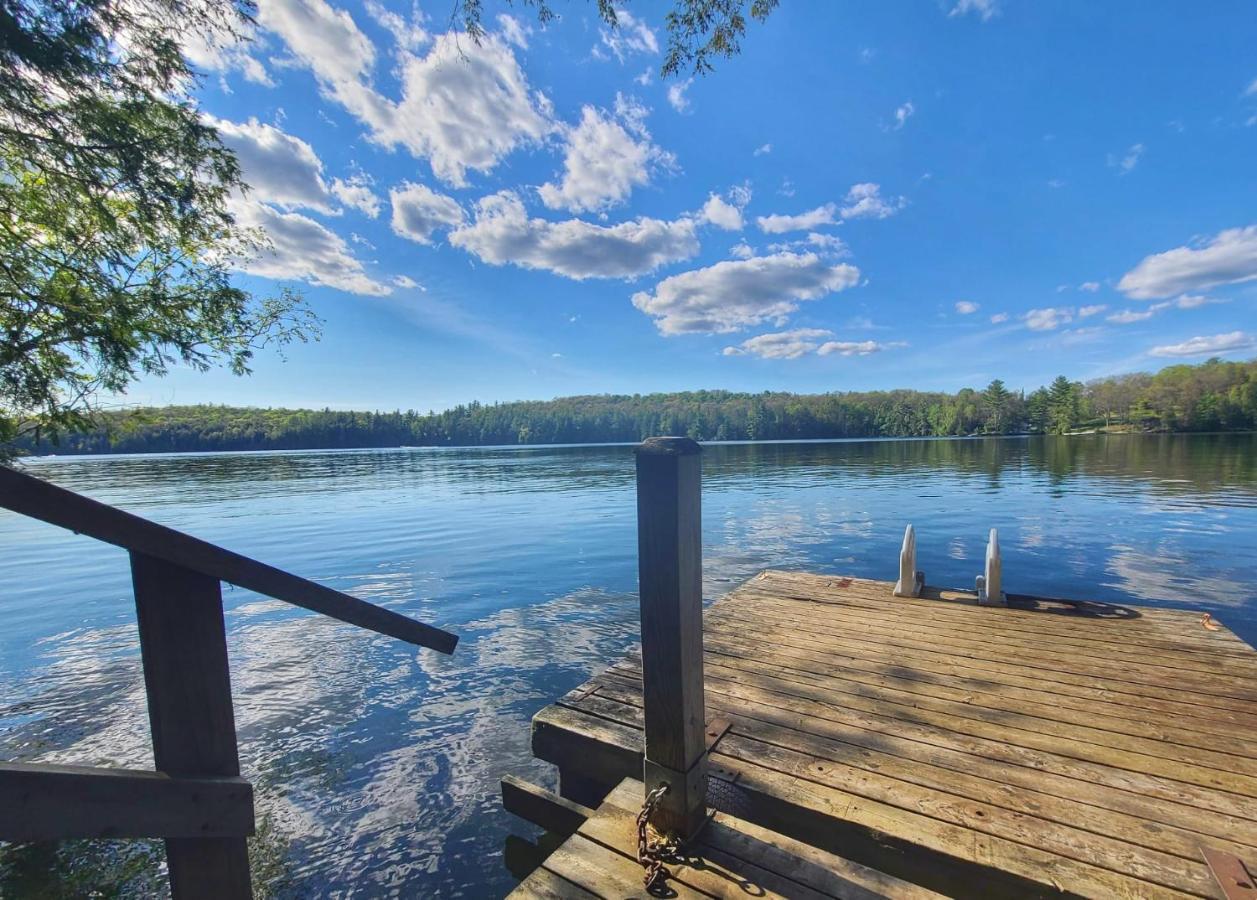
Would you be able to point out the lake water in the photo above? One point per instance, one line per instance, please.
(376, 766)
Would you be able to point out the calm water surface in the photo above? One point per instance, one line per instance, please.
(377, 766)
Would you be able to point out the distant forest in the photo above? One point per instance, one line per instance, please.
(1212, 396)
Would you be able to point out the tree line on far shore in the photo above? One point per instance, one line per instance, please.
(1211, 396)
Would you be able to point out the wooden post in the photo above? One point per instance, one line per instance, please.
(670, 562)
(184, 645)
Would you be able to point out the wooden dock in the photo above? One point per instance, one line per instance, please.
(1043, 748)
(972, 744)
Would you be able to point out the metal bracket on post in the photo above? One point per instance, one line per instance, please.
(1233, 876)
(716, 729)
(990, 586)
(910, 579)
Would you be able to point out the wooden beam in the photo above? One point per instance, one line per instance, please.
(41, 500)
(183, 642)
(41, 802)
(670, 561)
(541, 807)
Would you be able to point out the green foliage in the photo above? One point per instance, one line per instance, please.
(698, 30)
(1211, 396)
(115, 231)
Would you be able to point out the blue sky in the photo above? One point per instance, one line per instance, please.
(916, 194)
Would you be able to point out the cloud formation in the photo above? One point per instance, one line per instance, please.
(278, 167)
(1230, 257)
(966, 307)
(857, 348)
(1049, 318)
(984, 9)
(813, 218)
(630, 36)
(464, 105)
(781, 344)
(676, 95)
(503, 233)
(419, 211)
(733, 295)
(866, 201)
(605, 159)
(304, 250)
(1208, 346)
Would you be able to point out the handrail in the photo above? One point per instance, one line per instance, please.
(39, 499)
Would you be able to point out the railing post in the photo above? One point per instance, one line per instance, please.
(670, 561)
(183, 642)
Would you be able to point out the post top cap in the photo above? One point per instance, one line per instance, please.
(668, 446)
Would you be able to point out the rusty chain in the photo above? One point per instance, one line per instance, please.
(651, 854)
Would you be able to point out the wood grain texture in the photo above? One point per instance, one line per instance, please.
(1044, 747)
(542, 807)
(183, 643)
(730, 858)
(40, 802)
(669, 542)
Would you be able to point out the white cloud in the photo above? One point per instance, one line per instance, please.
(1128, 161)
(998, 318)
(866, 200)
(722, 214)
(742, 250)
(325, 39)
(862, 201)
(726, 214)
(676, 95)
(857, 348)
(1202, 346)
(224, 53)
(1191, 301)
(1126, 317)
(781, 344)
(419, 211)
(825, 244)
(513, 31)
(1049, 318)
(405, 281)
(408, 33)
(1251, 90)
(813, 218)
(302, 249)
(1130, 316)
(903, 113)
(465, 105)
(985, 9)
(356, 192)
(1086, 311)
(278, 167)
(502, 233)
(733, 295)
(763, 150)
(1089, 286)
(630, 36)
(1230, 257)
(604, 162)
(966, 307)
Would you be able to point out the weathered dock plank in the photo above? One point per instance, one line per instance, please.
(1044, 747)
(729, 858)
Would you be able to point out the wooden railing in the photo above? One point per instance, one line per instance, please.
(196, 799)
